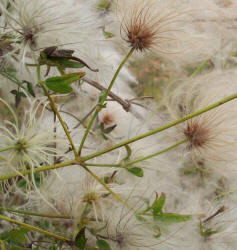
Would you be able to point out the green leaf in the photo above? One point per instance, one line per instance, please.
(171, 218)
(80, 240)
(206, 232)
(108, 35)
(10, 69)
(61, 84)
(108, 130)
(157, 229)
(15, 235)
(66, 62)
(140, 218)
(29, 88)
(102, 244)
(18, 235)
(53, 247)
(135, 171)
(158, 204)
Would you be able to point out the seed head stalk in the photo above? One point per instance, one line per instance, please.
(24, 212)
(36, 229)
(140, 159)
(100, 106)
(56, 112)
(39, 169)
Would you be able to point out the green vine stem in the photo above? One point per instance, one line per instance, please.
(157, 153)
(23, 212)
(162, 128)
(82, 221)
(56, 111)
(104, 97)
(138, 160)
(36, 229)
(40, 169)
(59, 118)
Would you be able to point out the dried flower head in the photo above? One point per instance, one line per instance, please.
(211, 135)
(27, 144)
(148, 24)
(70, 190)
(198, 133)
(32, 25)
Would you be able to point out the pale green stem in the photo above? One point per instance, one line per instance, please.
(81, 224)
(157, 153)
(138, 160)
(33, 228)
(99, 107)
(56, 112)
(7, 148)
(103, 165)
(40, 169)
(59, 118)
(199, 68)
(11, 210)
(157, 130)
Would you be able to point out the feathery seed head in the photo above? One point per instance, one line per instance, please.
(211, 135)
(148, 24)
(30, 144)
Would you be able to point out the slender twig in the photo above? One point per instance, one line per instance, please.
(101, 102)
(112, 165)
(162, 128)
(138, 160)
(157, 153)
(56, 112)
(220, 210)
(81, 222)
(40, 169)
(36, 229)
(86, 116)
(59, 118)
(124, 103)
(23, 212)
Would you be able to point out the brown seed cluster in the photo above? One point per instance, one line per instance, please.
(146, 25)
(197, 133)
(139, 35)
(107, 119)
